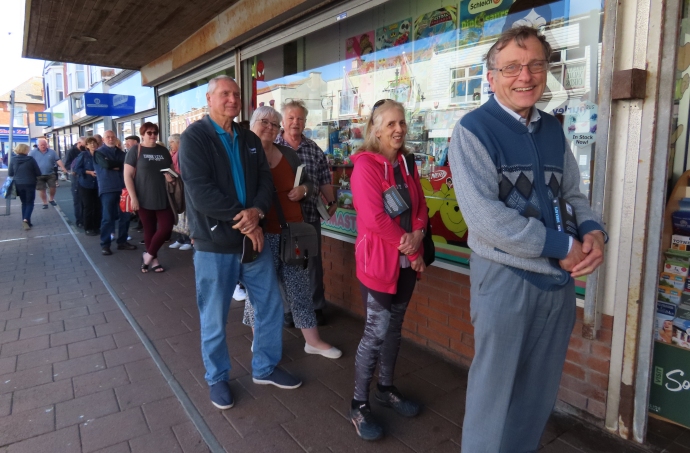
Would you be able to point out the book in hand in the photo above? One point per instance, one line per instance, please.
(248, 252)
(393, 202)
(323, 210)
(565, 217)
(298, 175)
(171, 171)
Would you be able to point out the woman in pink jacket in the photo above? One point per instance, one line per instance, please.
(391, 217)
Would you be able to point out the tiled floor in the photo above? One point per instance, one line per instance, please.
(74, 375)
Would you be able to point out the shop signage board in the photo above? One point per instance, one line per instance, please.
(44, 119)
(4, 130)
(669, 395)
(105, 104)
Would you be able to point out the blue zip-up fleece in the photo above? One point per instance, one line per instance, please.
(111, 180)
(82, 164)
(24, 169)
(498, 163)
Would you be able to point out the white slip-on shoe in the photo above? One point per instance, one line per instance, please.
(186, 247)
(239, 294)
(332, 353)
(175, 245)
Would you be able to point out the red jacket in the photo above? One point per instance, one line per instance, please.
(378, 236)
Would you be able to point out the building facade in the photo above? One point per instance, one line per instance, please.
(28, 99)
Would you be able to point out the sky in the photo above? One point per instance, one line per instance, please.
(15, 69)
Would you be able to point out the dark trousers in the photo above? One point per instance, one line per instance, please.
(27, 194)
(318, 296)
(112, 216)
(382, 333)
(76, 200)
(91, 217)
(158, 225)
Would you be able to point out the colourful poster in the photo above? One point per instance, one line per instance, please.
(359, 45)
(435, 31)
(481, 19)
(394, 34)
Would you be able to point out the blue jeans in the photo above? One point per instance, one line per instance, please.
(27, 194)
(216, 277)
(76, 200)
(110, 201)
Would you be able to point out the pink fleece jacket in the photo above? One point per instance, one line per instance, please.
(378, 236)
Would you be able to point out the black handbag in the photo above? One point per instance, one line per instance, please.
(298, 240)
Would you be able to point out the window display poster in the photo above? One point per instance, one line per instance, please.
(481, 19)
(580, 123)
(437, 30)
(360, 45)
(447, 222)
(394, 34)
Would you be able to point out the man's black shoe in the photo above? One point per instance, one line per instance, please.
(126, 246)
(393, 399)
(365, 424)
(106, 251)
(288, 321)
(320, 318)
(91, 233)
(142, 242)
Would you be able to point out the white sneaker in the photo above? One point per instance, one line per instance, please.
(185, 246)
(175, 245)
(332, 353)
(239, 294)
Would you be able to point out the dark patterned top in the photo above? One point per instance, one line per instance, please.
(317, 170)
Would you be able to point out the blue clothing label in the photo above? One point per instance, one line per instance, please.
(233, 149)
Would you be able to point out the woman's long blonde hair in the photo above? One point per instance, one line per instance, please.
(371, 141)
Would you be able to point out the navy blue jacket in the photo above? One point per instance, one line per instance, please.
(82, 164)
(24, 169)
(111, 180)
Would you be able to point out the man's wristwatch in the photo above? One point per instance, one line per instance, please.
(261, 213)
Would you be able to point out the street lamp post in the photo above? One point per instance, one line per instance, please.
(9, 154)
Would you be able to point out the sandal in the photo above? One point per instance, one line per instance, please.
(144, 266)
(158, 269)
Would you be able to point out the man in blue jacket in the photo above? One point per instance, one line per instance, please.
(514, 162)
(109, 164)
(228, 189)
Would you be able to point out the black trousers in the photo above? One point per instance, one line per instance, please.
(91, 212)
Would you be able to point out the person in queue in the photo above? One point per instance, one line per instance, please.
(283, 161)
(514, 162)
(109, 166)
(70, 158)
(315, 165)
(146, 185)
(46, 159)
(85, 172)
(25, 171)
(228, 190)
(182, 241)
(389, 254)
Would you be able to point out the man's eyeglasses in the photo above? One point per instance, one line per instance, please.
(513, 70)
(266, 123)
(154, 133)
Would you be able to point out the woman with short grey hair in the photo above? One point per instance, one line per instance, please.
(283, 161)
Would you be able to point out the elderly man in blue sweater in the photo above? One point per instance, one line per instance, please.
(514, 161)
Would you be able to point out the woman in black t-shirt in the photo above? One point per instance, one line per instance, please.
(146, 185)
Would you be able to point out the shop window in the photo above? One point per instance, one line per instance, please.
(187, 104)
(428, 55)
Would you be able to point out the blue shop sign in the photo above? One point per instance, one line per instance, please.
(105, 104)
(44, 119)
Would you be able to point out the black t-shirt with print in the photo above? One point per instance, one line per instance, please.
(149, 182)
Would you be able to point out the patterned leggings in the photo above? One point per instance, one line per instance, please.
(382, 333)
(295, 279)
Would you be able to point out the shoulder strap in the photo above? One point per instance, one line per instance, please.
(279, 209)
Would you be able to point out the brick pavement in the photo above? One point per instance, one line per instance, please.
(74, 375)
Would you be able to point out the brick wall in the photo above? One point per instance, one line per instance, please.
(5, 112)
(438, 317)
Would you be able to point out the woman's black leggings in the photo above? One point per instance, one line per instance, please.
(382, 333)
